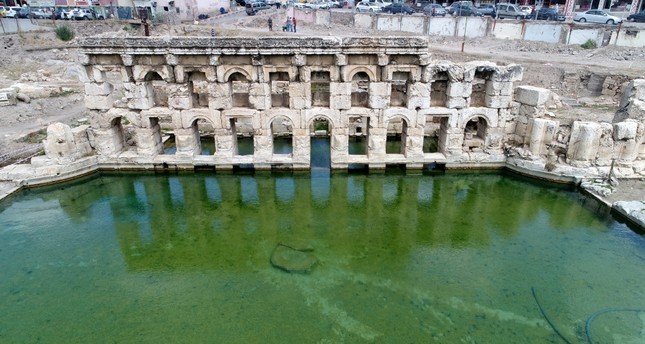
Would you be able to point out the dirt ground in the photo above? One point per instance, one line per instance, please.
(41, 59)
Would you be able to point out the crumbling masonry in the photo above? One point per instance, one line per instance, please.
(381, 101)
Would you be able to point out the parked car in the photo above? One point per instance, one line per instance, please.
(82, 14)
(66, 14)
(456, 4)
(637, 17)
(546, 13)
(380, 3)
(487, 9)
(434, 10)
(596, 16)
(253, 7)
(365, 6)
(466, 10)
(317, 5)
(397, 7)
(510, 11)
(41, 13)
(24, 12)
(12, 12)
(335, 4)
(527, 10)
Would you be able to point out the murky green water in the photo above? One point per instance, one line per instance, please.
(402, 259)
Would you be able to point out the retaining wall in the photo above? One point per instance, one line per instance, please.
(473, 27)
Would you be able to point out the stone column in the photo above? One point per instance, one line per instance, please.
(109, 141)
(458, 94)
(341, 95)
(301, 148)
(376, 144)
(339, 147)
(379, 97)
(225, 143)
(262, 146)
(149, 141)
(187, 141)
(419, 96)
(414, 143)
(260, 96)
(583, 144)
(541, 133)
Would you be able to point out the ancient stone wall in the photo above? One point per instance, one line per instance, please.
(225, 102)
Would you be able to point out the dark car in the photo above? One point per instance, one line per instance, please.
(487, 10)
(637, 17)
(465, 10)
(397, 7)
(434, 10)
(23, 13)
(545, 13)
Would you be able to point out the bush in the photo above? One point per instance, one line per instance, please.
(64, 33)
(589, 44)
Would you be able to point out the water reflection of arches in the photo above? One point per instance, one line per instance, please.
(475, 133)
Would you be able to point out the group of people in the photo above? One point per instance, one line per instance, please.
(289, 26)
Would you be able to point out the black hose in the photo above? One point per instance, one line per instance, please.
(547, 318)
(609, 310)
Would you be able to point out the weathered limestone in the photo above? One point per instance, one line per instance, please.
(369, 89)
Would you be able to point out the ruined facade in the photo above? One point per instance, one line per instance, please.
(385, 97)
(224, 102)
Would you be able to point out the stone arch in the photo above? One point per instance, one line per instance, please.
(292, 117)
(490, 122)
(329, 120)
(396, 134)
(282, 134)
(405, 117)
(204, 131)
(475, 133)
(235, 70)
(361, 69)
(152, 75)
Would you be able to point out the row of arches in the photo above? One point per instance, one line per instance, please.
(202, 135)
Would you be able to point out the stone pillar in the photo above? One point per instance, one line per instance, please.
(179, 97)
(109, 141)
(187, 141)
(98, 95)
(568, 7)
(260, 96)
(149, 141)
(541, 132)
(262, 146)
(376, 144)
(628, 139)
(379, 97)
(341, 95)
(301, 148)
(414, 143)
(419, 96)
(299, 95)
(220, 96)
(458, 94)
(225, 143)
(499, 94)
(339, 147)
(454, 142)
(583, 144)
(139, 95)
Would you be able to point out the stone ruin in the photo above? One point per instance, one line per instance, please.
(388, 94)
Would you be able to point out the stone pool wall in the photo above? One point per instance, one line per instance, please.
(388, 94)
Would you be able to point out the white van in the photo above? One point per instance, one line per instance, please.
(510, 11)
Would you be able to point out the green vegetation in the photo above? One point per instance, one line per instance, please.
(589, 44)
(35, 137)
(64, 33)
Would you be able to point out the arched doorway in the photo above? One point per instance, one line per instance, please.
(320, 147)
(475, 134)
(282, 133)
(360, 89)
(397, 131)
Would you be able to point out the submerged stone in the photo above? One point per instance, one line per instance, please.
(292, 260)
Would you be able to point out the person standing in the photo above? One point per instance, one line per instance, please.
(270, 24)
(290, 25)
(294, 25)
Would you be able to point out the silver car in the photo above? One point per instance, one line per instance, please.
(434, 10)
(596, 16)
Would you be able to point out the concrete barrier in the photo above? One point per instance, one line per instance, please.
(413, 24)
(579, 36)
(628, 38)
(472, 27)
(364, 20)
(549, 33)
(388, 23)
(507, 31)
(441, 26)
(13, 25)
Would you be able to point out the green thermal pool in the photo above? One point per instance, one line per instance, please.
(185, 258)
